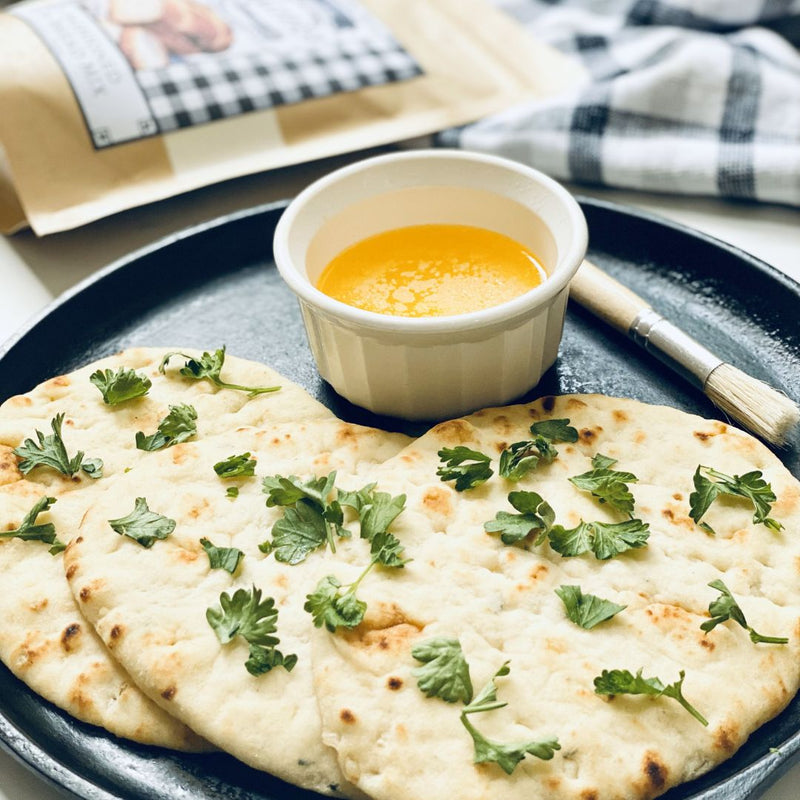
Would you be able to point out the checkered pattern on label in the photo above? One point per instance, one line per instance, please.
(193, 91)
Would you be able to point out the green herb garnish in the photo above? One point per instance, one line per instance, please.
(507, 756)
(227, 558)
(120, 386)
(725, 607)
(311, 519)
(143, 525)
(586, 610)
(31, 531)
(240, 466)
(50, 451)
(605, 540)
(750, 486)
(232, 492)
(246, 615)
(208, 367)
(607, 485)
(621, 681)
(468, 468)
(178, 426)
(535, 515)
(520, 458)
(444, 672)
(335, 605)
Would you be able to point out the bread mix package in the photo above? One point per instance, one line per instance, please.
(110, 104)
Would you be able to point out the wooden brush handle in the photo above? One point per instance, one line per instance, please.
(605, 297)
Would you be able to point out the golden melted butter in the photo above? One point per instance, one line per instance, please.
(431, 270)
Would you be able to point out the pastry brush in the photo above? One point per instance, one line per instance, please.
(751, 402)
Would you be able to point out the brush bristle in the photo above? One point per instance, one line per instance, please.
(753, 403)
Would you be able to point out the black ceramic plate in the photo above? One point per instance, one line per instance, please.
(217, 284)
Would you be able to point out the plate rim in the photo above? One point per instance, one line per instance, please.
(65, 780)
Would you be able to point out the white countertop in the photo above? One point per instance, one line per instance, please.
(34, 271)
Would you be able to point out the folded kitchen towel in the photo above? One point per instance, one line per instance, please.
(685, 96)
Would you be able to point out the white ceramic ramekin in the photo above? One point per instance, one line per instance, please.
(433, 367)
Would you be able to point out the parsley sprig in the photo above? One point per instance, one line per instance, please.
(178, 426)
(586, 610)
(608, 485)
(50, 451)
(506, 755)
(709, 484)
(604, 539)
(725, 607)
(31, 531)
(535, 517)
(335, 605)
(143, 525)
(208, 367)
(520, 458)
(120, 386)
(621, 681)
(255, 620)
(468, 468)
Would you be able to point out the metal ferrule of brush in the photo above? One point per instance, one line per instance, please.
(674, 347)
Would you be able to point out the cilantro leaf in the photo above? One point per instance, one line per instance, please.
(387, 550)
(506, 756)
(178, 426)
(239, 466)
(379, 513)
(750, 486)
(300, 531)
(120, 386)
(262, 659)
(227, 558)
(282, 491)
(556, 430)
(725, 607)
(621, 681)
(468, 468)
(517, 460)
(311, 519)
(535, 515)
(586, 610)
(607, 485)
(573, 541)
(50, 451)
(358, 499)
(208, 367)
(330, 607)
(445, 672)
(255, 620)
(605, 540)
(31, 531)
(611, 539)
(520, 458)
(143, 525)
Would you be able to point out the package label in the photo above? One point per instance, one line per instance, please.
(144, 67)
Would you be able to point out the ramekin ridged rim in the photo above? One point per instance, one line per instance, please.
(501, 314)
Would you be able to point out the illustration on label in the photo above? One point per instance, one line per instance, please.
(142, 67)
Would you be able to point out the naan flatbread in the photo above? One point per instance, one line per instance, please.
(149, 605)
(395, 743)
(44, 640)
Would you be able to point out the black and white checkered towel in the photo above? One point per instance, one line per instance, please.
(684, 96)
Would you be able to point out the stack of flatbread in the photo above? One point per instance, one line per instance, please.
(118, 634)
